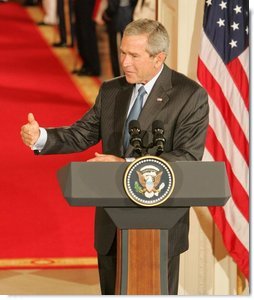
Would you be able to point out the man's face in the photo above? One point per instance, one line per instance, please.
(138, 65)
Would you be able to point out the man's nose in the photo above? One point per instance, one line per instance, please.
(126, 61)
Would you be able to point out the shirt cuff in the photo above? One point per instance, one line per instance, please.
(39, 145)
(129, 159)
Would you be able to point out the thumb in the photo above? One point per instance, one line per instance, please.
(31, 118)
(99, 154)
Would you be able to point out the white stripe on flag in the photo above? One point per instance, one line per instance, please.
(238, 164)
(233, 216)
(244, 59)
(237, 222)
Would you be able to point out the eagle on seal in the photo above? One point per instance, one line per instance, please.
(150, 180)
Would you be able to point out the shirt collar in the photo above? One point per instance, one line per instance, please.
(149, 85)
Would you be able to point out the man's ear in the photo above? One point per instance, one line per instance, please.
(160, 58)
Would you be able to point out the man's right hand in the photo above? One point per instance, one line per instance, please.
(30, 132)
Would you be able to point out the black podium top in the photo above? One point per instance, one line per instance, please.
(101, 184)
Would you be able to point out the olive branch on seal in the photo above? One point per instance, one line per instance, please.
(138, 188)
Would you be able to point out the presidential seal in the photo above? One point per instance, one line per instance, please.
(149, 181)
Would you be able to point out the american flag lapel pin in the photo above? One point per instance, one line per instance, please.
(159, 100)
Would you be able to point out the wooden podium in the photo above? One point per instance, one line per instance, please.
(142, 235)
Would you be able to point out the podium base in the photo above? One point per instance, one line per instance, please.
(142, 262)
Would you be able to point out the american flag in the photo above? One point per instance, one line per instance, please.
(223, 70)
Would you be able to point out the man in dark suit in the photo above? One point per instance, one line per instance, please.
(65, 24)
(117, 15)
(180, 103)
(86, 38)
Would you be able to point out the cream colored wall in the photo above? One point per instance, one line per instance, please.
(183, 20)
(206, 269)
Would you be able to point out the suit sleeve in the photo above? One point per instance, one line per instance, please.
(190, 130)
(77, 137)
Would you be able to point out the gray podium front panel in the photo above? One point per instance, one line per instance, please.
(101, 184)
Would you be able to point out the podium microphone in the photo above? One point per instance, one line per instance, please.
(158, 136)
(135, 136)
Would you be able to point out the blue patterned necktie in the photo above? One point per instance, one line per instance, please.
(134, 114)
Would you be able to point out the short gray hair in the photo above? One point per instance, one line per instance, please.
(157, 36)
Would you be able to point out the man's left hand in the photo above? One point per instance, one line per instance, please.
(105, 158)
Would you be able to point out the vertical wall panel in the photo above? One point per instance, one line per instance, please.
(167, 14)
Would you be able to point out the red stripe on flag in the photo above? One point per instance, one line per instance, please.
(235, 248)
(214, 90)
(240, 78)
(239, 195)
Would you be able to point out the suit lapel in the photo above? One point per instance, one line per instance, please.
(157, 99)
(121, 109)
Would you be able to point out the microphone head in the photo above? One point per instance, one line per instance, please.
(157, 124)
(134, 124)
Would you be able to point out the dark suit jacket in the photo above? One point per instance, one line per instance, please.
(182, 107)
